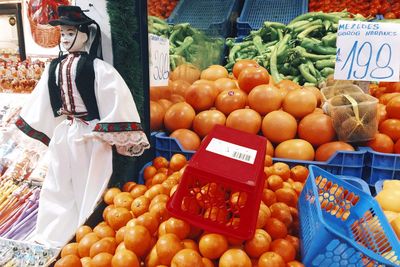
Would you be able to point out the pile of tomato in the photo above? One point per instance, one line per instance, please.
(390, 9)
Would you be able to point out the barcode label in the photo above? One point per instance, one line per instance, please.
(232, 151)
(238, 155)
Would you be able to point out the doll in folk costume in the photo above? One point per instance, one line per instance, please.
(80, 108)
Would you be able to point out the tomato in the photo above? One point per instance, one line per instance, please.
(390, 15)
(325, 151)
(391, 128)
(381, 143)
(250, 77)
(241, 65)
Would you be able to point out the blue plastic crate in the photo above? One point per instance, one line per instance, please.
(381, 166)
(212, 16)
(341, 225)
(255, 12)
(357, 182)
(379, 186)
(167, 146)
(347, 163)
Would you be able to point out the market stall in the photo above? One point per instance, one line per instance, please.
(275, 136)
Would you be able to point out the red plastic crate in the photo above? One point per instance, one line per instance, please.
(220, 190)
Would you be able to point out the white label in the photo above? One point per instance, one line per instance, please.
(232, 151)
(367, 51)
(159, 60)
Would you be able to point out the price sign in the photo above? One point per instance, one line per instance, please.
(367, 51)
(159, 60)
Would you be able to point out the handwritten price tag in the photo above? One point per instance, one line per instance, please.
(159, 60)
(367, 51)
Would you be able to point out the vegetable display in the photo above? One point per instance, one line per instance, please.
(187, 44)
(303, 51)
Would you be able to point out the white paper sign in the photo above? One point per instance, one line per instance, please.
(159, 60)
(232, 151)
(367, 51)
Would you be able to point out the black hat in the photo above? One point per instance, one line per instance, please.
(71, 15)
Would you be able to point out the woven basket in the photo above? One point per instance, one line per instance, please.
(45, 35)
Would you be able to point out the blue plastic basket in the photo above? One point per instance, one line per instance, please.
(341, 225)
(215, 17)
(357, 182)
(381, 166)
(379, 186)
(167, 146)
(255, 12)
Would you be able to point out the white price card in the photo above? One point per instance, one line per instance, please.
(159, 60)
(232, 151)
(367, 51)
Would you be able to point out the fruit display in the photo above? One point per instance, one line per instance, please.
(137, 228)
(292, 121)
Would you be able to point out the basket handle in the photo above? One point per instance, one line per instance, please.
(354, 104)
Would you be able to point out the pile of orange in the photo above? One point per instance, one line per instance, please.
(388, 138)
(287, 114)
(138, 231)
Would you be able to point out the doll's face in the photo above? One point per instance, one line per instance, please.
(68, 34)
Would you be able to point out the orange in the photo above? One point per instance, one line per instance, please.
(163, 198)
(216, 214)
(125, 258)
(234, 258)
(159, 210)
(159, 177)
(107, 245)
(138, 240)
(167, 246)
(110, 194)
(154, 191)
(178, 227)
(393, 108)
(294, 241)
(274, 182)
(259, 244)
(68, 261)
(149, 172)
(281, 211)
(138, 190)
(187, 258)
(212, 246)
(271, 259)
(119, 236)
(140, 205)
(118, 217)
(81, 232)
(287, 196)
(177, 162)
(282, 169)
(120, 247)
(152, 258)
(160, 162)
(149, 221)
(104, 231)
(189, 243)
(284, 248)
(161, 229)
(86, 262)
(106, 210)
(70, 249)
(268, 197)
(128, 186)
(299, 173)
(294, 264)
(102, 260)
(207, 262)
(275, 228)
(86, 243)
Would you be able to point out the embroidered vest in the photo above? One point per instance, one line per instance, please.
(84, 82)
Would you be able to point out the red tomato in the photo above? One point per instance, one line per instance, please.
(250, 77)
(390, 15)
(241, 65)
